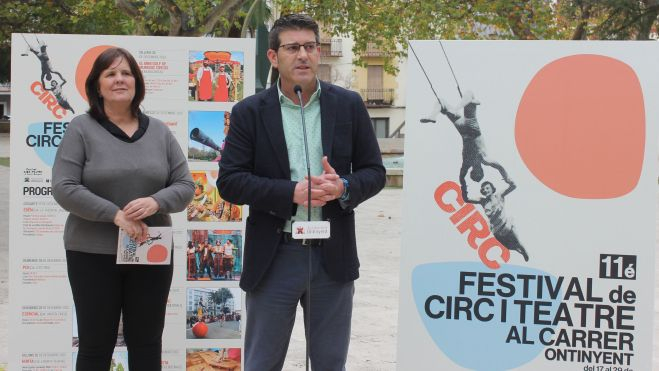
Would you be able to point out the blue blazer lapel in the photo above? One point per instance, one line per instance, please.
(328, 117)
(274, 128)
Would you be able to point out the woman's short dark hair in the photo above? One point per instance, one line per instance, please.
(486, 183)
(103, 62)
(291, 22)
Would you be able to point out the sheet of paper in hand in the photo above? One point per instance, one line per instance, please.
(156, 250)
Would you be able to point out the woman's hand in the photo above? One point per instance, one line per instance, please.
(136, 229)
(141, 208)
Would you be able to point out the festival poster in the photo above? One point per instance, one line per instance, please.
(48, 77)
(530, 196)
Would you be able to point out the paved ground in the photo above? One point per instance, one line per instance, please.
(4, 250)
(373, 344)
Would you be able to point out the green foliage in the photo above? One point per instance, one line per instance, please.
(221, 296)
(612, 19)
(185, 17)
(63, 16)
(382, 25)
(4, 161)
(387, 25)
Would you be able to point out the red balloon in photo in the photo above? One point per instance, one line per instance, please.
(200, 329)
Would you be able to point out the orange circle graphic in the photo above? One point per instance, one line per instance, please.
(156, 254)
(580, 127)
(85, 66)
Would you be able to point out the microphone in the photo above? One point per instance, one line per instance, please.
(298, 91)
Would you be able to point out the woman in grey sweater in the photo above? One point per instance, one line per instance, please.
(117, 168)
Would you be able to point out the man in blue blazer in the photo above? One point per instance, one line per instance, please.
(263, 165)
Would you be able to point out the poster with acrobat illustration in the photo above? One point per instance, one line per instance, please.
(49, 74)
(530, 196)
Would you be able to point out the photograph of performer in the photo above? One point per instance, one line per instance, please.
(207, 205)
(191, 261)
(117, 168)
(474, 155)
(205, 82)
(501, 225)
(228, 259)
(218, 258)
(219, 309)
(263, 166)
(222, 85)
(206, 260)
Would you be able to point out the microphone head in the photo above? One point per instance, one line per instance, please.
(297, 89)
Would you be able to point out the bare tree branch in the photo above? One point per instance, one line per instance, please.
(252, 8)
(130, 9)
(227, 9)
(62, 5)
(580, 31)
(175, 17)
(649, 18)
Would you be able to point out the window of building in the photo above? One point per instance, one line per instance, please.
(381, 126)
(375, 76)
(325, 72)
(3, 109)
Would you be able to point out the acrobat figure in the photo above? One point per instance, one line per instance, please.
(501, 225)
(201, 309)
(59, 94)
(47, 70)
(473, 146)
(150, 239)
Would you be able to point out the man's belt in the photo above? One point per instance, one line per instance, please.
(287, 237)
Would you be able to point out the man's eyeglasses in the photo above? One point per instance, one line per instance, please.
(294, 48)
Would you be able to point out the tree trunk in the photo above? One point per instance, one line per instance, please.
(580, 31)
(648, 19)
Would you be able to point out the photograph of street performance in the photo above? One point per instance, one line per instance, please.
(474, 158)
(215, 76)
(208, 359)
(207, 205)
(207, 130)
(213, 255)
(213, 313)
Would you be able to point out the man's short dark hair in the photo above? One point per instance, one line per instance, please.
(291, 22)
(103, 62)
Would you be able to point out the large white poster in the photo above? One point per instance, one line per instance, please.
(205, 306)
(530, 196)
